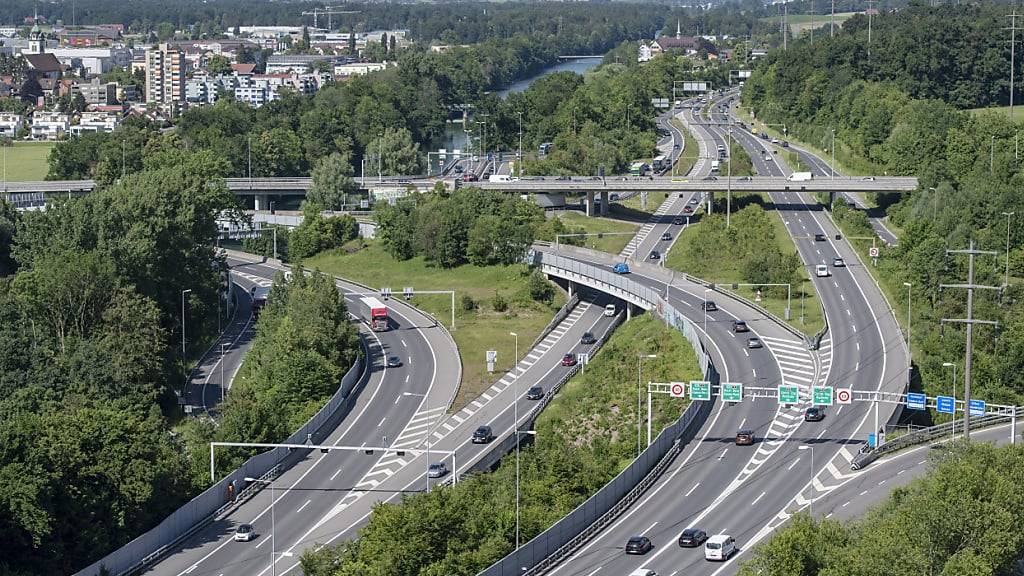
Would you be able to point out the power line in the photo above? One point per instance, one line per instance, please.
(970, 286)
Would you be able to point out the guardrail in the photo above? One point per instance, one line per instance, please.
(205, 508)
(560, 540)
(925, 435)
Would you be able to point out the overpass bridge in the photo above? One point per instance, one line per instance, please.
(261, 189)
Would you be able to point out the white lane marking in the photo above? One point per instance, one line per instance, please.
(404, 344)
(410, 360)
(382, 421)
(595, 571)
(333, 476)
(304, 505)
(845, 504)
(901, 472)
(691, 490)
(882, 482)
(754, 503)
(723, 454)
(864, 492)
(651, 527)
(742, 422)
(406, 378)
(791, 466)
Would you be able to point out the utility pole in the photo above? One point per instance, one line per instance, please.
(785, 26)
(812, 21)
(832, 21)
(869, 3)
(970, 286)
(1006, 280)
(1013, 52)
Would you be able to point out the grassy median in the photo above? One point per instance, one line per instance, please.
(616, 233)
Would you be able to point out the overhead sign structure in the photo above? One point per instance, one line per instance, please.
(977, 407)
(916, 401)
(822, 395)
(659, 102)
(844, 396)
(677, 390)
(732, 392)
(700, 390)
(789, 395)
(695, 86)
(945, 404)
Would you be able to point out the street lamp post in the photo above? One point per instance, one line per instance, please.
(515, 422)
(183, 292)
(380, 157)
(1006, 281)
(520, 159)
(223, 382)
(947, 365)
(273, 547)
(639, 401)
(909, 286)
(704, 305)
(832, 168)
(810, 503)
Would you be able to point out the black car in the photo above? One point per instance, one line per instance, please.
(708, 306)
(739, 326)
(535, 393)
(654, 255)
(483, 435)
(677, 221)
(666, 235)
(564, 178)
(394, 361)
(587, 338)
(692, 538)
(819, 237)
(814, 414)
(710, 178)
(638, 545)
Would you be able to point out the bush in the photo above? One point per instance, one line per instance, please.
(540, 289)
(499, 303)
(467, 303)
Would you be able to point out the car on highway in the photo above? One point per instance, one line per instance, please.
(654, 255)
(588, 338)
(838, 262)
(693, 201)
(868, 178)
(620, 268)
(692, 538)
(459, 168)
(610, 310)
(394, 361)
(775, 141)
(437, 470)
(564, 178)
(785, 144)
(666, 235)
(709, 178)
(638, 545)
(744, 178)
(814, 414)
(739, 326)
(535, 393)
(643, 572)
(687, 210)
(709, 306)
(677, 221)
(569, 360)
(483, 435)
(244, 533)
(745, 437)
(719, 547)
(754, 342)
(469, 177)
(763, 136)
(819, 237)
(821, 271)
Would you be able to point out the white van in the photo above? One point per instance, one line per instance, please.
(821, 271)
(609, 310)
(719, 547)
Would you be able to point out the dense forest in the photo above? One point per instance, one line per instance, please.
(961, 519)
(897, 113)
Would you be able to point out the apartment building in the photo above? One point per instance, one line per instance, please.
(48, 125)
(165, 74)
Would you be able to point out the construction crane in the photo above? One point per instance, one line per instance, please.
(329, 12)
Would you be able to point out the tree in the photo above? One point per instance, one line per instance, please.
(8, 222)
(332, 182)
(351, 42)
(277, 152)
(217, 65)
(398, 154)
(393, 50)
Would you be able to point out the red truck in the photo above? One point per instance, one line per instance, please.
(378, 314)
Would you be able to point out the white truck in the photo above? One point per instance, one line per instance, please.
(800, 176)
(502, 178)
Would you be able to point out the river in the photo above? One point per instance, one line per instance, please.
(455, 137)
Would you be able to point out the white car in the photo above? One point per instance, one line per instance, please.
(609, 310)
(821, 271)
(643, 572)
(719, 547)
(244, 533)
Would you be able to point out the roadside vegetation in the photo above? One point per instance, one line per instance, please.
(961, 519)
(754, 249)
(742, 165)
(688, 157)
(584, 438)
(25, 160)
(902, 113)
(612, 243)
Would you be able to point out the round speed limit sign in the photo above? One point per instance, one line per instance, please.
(844, 396)
(678, 390)
(873, 252)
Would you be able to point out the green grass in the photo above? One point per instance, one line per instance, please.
(27, 161)
(688, 158)
(1018, 111)
(728, 271)
(802, 22)
(654, 199)
(476, 331)
(612, 244)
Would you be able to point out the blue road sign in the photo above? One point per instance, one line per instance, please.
(945, 404)
(977, 408)
(871, 439)
(916, 401)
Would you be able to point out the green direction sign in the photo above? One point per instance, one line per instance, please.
(789, 395)
(700, 390)
(732, 392)
(822, 395)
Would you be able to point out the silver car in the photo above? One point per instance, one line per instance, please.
(437, 470)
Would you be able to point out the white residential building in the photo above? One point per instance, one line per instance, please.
(96, 122)
(10, 124)
(358, 68)
(49, 125)
(94, 61)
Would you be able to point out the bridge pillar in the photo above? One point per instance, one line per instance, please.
(572, 285)
(261, 202)
(604, 202)
(629, 311)
(831, 199)
(588, 203)
(711, 201)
